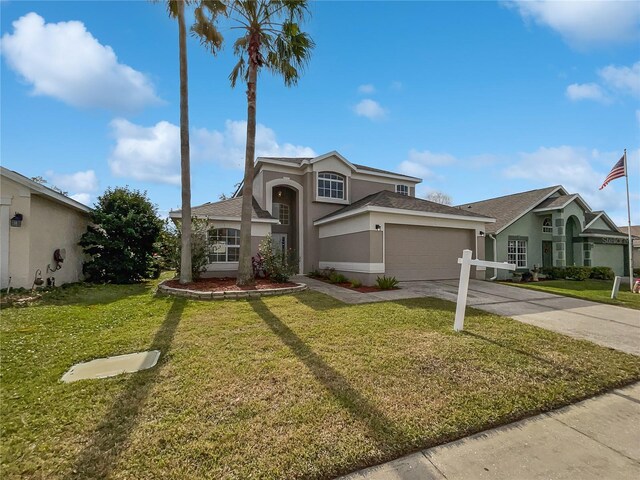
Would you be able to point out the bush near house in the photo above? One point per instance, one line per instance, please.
(199, 247)
(578, 273)
(387, 283)
(120, 239)
(272, 263)
(602, 273)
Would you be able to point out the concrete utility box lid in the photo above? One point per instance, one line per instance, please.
(112, 366)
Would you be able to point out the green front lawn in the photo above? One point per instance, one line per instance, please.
(594, 290)
(282, 387)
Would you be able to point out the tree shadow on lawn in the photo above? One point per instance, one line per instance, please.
(109, 439)
(382, 429)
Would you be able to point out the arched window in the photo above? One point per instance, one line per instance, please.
(281, 212)
(224, 245)
(547, 226)
(330, 185)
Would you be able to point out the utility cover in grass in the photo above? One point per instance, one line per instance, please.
(112, 366)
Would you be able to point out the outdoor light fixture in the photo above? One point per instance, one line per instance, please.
(481, 233)
(16, 220)
(378, 227)
(279, 194)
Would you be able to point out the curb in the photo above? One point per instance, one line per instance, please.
(229, 295)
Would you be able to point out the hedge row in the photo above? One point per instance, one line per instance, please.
(579, 273)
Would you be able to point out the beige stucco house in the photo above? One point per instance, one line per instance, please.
(361, 221)
(39, 233)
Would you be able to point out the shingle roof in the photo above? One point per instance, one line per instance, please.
(590, 216)
(602, 231)
(226, 208)
(556, 202)
(508, 208)
(298, 161)
(389, 199)
(635, 233)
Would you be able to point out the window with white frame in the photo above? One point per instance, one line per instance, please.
(282, 213)
(402, 189)
(517, 253)
(224, 245)
(331, 185)
(547, 227)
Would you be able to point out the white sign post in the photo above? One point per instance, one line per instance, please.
(463, 287)
(616, 287)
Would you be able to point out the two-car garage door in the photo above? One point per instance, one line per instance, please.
(425, 253)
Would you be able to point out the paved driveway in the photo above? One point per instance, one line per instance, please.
(606, 325)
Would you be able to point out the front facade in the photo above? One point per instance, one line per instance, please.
(549, 227)
(361, 221)
(35, 223)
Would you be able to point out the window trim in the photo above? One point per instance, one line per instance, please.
(517, 256)
(547, 228)
(399, 185)
(344, 179)
(228, 246)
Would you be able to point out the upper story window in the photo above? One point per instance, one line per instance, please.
(282, 213)
(547, 226)
(402, 189)
(224, 245)
(331, 185)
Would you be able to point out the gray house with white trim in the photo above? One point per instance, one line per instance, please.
(550, 227)
(361, 221)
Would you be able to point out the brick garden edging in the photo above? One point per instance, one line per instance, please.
(229, 295)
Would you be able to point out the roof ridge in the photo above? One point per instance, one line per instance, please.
(513, 195)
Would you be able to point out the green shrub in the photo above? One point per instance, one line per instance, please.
(355, 283)
(577, 273)
(315, 273)
(336, 277)
(602, 273)
(554, 273)
(387, 283)
(277, 265)
(636, 272)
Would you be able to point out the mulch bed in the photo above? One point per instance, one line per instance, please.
(226, 285)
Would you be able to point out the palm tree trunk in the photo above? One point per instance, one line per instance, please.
(245, 270)
(185, 169)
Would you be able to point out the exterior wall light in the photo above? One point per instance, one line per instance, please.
(16, 220)
(481, 233)
(378, 228)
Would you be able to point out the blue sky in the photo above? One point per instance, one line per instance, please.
(479, 99)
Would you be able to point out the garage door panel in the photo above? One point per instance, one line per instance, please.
(425, 253)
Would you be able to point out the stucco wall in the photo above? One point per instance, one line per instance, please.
(18, 268)
(609, 256)
(360, 247)
(55, 226)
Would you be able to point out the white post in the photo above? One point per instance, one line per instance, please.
(616, 287)
(626, 177)
(463, 288)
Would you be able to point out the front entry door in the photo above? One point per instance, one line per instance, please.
(280, 242)
(547, 254)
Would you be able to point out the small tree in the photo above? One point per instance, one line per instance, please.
(439, 197)
(199, 247)
(121, 238)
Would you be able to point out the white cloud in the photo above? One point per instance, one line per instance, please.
(584, 23)
(86, 181)
(153, 153)
(63, 60)
(625, 80)
(366, 89)
(84, 198)
(579, 171)
(370, 109)
(587, 91)
(419, 163)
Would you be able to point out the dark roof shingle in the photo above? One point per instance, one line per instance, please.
(389, 199)
(226, 208)
(508, 208)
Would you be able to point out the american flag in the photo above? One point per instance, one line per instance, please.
(617, 171)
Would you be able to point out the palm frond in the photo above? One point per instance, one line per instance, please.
(205, 29)
(238, 71)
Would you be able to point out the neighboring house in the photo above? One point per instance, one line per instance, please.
(35, 223)
(550, 227)
(635, 239)
(362, 221)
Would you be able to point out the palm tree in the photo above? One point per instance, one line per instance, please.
(271, 37)
(176, 10)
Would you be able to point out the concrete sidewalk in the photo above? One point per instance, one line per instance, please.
(596, 439)
(607, 325)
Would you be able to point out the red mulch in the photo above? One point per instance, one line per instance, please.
(225, 284)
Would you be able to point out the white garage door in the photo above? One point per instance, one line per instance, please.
(425, 253)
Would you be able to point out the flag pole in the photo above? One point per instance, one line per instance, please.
(626, 177)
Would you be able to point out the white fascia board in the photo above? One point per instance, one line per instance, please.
(393, 176)
(594, 220)
(333, 153)
(530, 209)
(45, 191)
(225, 219)
(399, 211)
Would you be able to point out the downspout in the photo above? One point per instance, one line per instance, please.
(495, 256)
